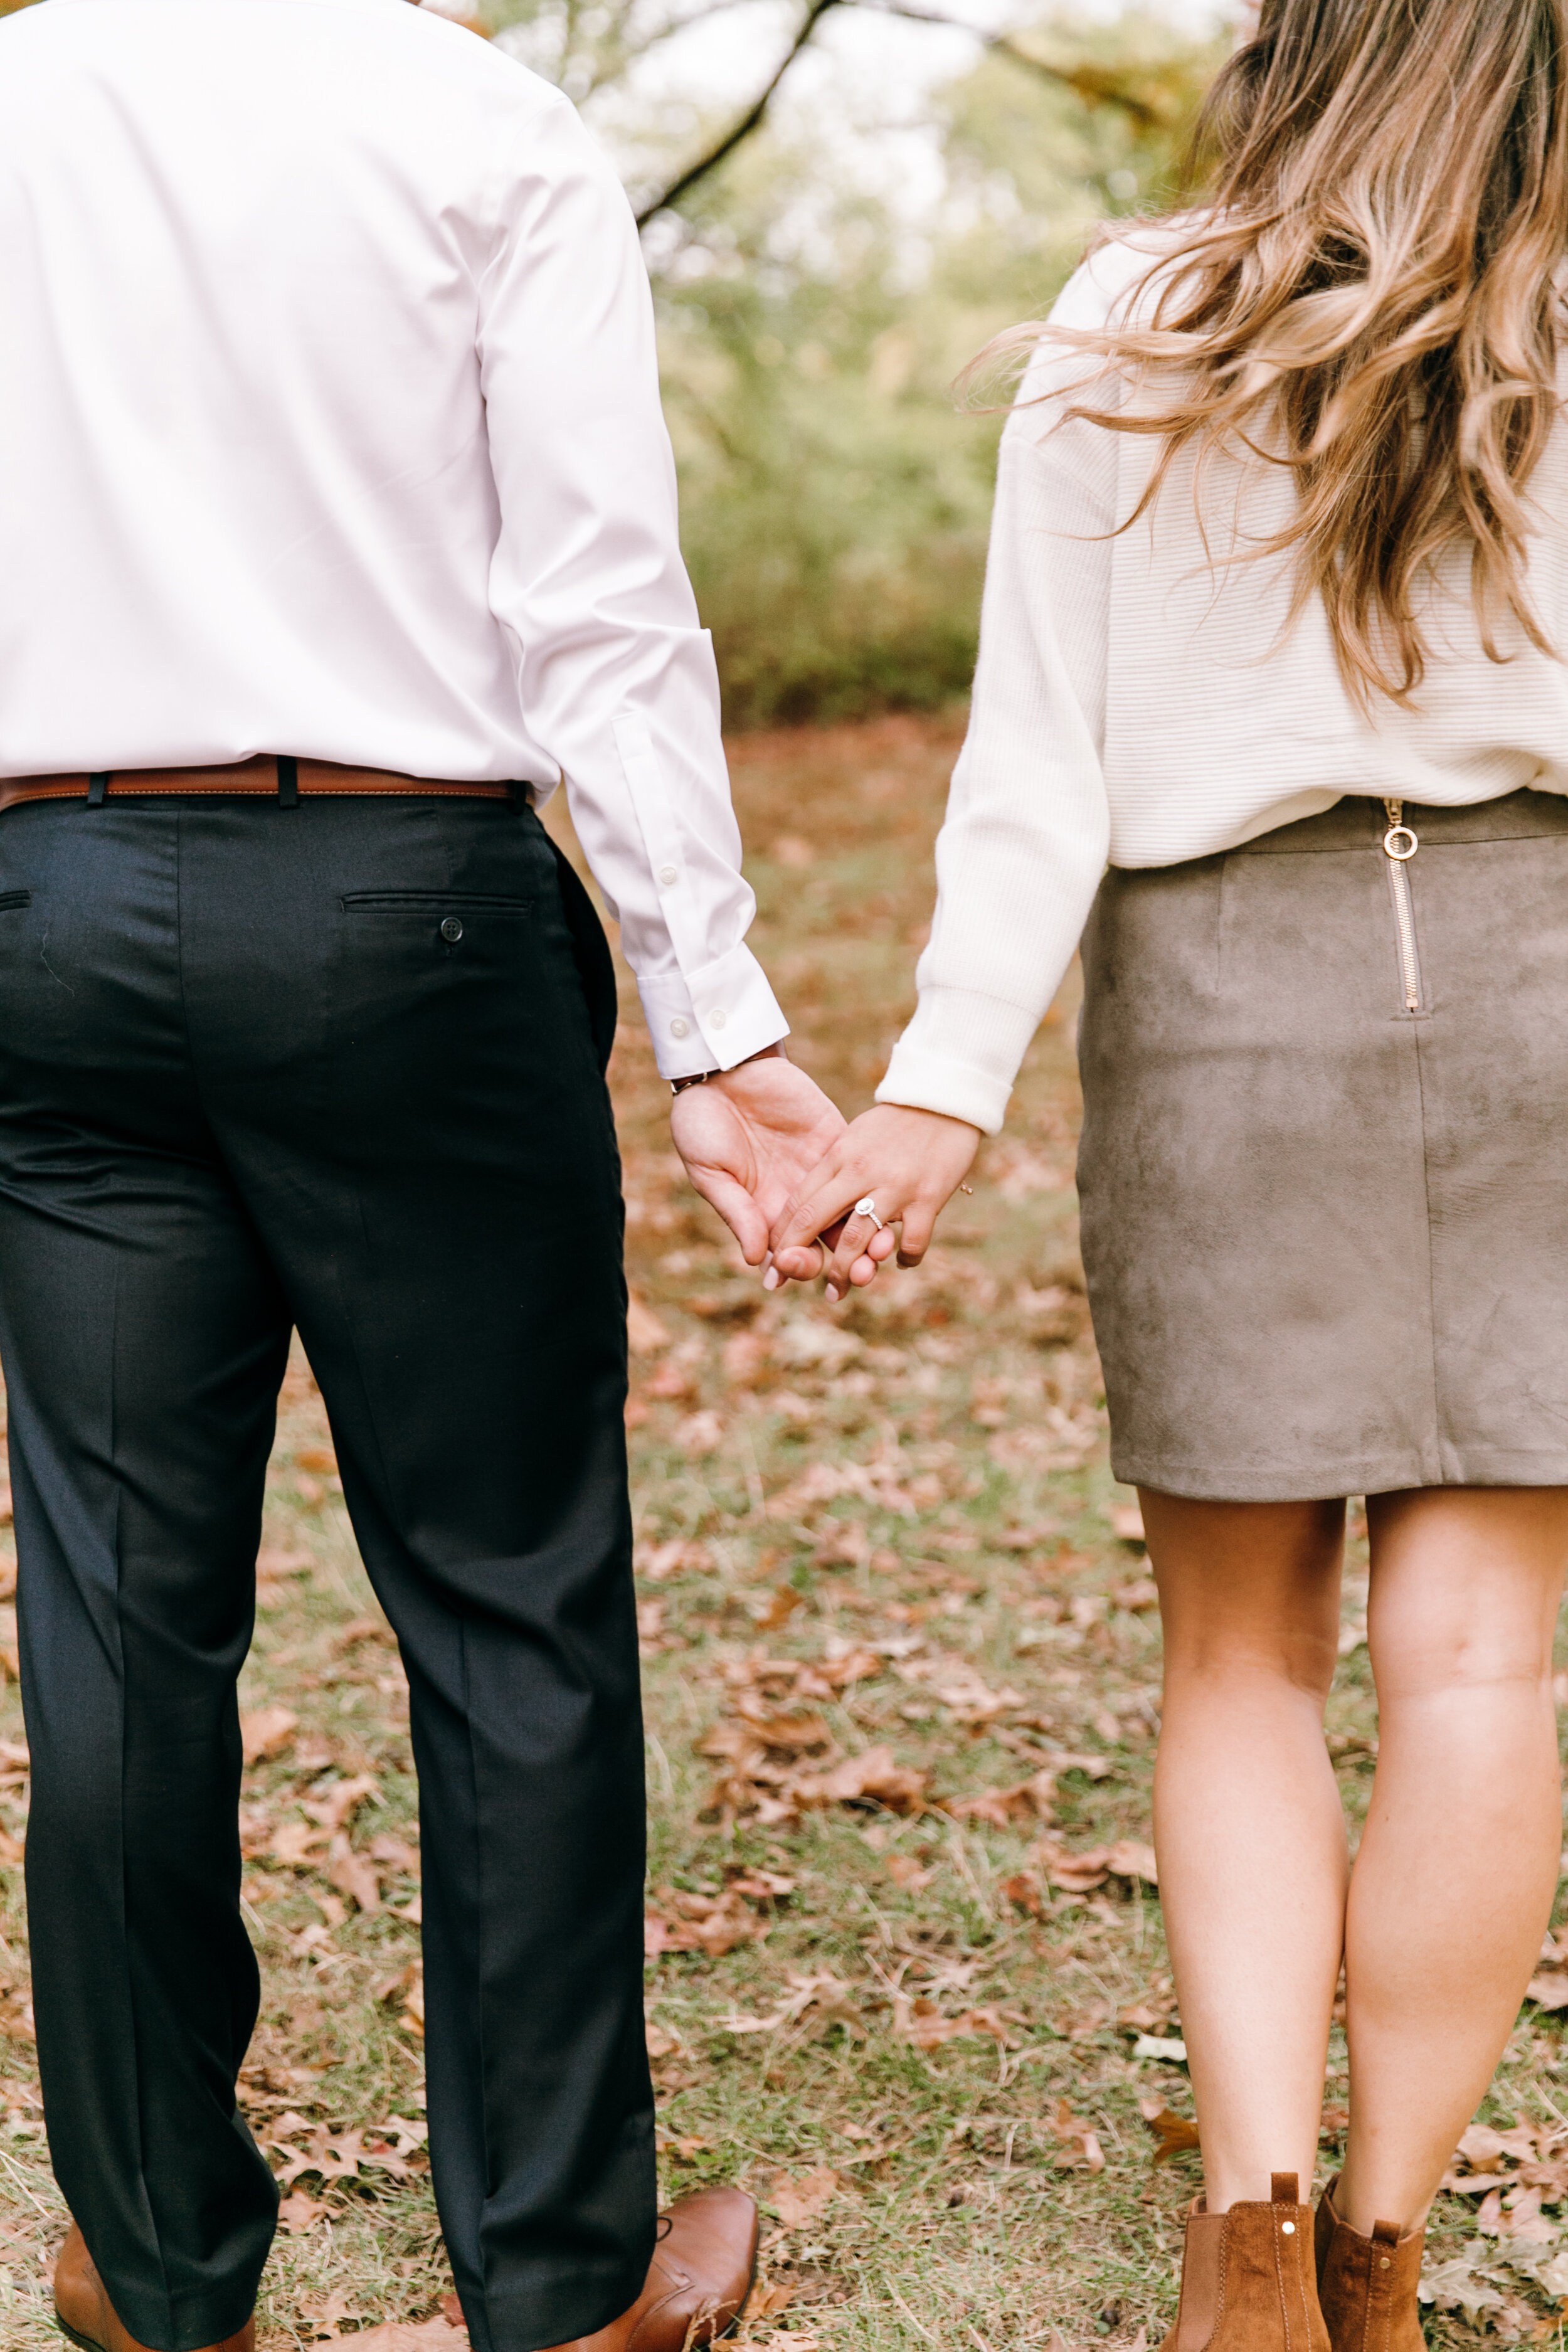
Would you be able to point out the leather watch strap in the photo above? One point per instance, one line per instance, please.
(775, 1052)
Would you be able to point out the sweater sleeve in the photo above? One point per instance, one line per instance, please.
(1025, 843)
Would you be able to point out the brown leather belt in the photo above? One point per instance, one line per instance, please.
(264, 777)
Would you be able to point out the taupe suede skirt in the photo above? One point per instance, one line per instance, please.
(1324, 1166)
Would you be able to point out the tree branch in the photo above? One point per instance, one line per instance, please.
(1094, 86)
(748, 123)
(1091, 84)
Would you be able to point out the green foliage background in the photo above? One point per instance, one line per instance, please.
(834, 500)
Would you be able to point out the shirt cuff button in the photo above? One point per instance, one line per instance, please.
(716, 1020)
(678, 1028)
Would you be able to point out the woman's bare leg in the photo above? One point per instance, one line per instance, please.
(1247, 1823)
(1457, 1866)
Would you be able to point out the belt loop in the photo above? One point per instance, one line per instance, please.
(288, 783)
(97, 786)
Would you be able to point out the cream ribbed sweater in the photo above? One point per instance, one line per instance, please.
(1132, 705)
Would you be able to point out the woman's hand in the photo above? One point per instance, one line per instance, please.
(911, 1163)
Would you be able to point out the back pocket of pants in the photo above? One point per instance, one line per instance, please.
(450, 913)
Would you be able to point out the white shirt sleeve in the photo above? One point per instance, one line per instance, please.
(618, 679)
(1027, 832)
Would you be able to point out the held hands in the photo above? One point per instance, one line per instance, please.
(909, 1162)
(750, 1138)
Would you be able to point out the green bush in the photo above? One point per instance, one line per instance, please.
(834, 499)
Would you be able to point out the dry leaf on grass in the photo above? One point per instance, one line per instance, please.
(920, 2021)
(804, 2198)
(697, 1923)
(1127, 1522)
(1157, 2007)
(273, 1563)
(875, 1778)
(831, 1999)
(778, 1608)
(1174, 2135)
(700, 1434)
(1141, 1593)
(1456, 2286)
(335, 1805)
(1081, 1874)
(1078, 2135)
(680, 1556)
(1485, 2166)
(646, 1335)
(412, 2336)
(1001, 1808)
(15, 2012)
(322, 2316)
(765, 1776)
(768, 2297)
(742, 1359)
(298, 2214)
(354, 1875)
(266, 1733)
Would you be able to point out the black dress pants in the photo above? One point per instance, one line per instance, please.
(338, 1066)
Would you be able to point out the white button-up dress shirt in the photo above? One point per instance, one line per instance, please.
(330, 424)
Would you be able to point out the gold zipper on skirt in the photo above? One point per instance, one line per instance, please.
(1400, 846)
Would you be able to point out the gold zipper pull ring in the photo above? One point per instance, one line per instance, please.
(1399, 842)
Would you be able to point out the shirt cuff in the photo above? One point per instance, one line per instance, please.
(711, 1019)
(959, 1055)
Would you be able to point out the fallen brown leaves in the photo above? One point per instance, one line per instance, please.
(266, 1733)
(765, 1751)
(1080, 2137)
(1174, 2135)
(411, 2336)
(919, 2020)
(1515, 2174)
(1052, 1866)
(798, 2198)
(714, 1923)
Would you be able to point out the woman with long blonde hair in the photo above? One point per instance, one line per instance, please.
(1272, 708)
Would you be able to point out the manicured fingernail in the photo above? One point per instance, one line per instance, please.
(772, 1279)
(833, 1294)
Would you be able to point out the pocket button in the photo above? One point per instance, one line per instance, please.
(451, 930)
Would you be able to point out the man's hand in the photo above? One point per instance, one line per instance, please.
(748, 1138)
(911, 1163)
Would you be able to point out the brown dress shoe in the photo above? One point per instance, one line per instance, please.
(697, 2281)
(1367, 2286)
(1248, 2281)
(85, 2316)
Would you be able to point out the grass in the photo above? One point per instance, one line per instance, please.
(876, 1549)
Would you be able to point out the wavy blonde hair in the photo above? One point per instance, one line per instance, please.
(1372, 295)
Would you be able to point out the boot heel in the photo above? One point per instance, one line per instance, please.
(1248, 2280)
(1368, 2285)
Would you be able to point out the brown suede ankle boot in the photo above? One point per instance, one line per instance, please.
(1367, 2286)
(1248, 2284)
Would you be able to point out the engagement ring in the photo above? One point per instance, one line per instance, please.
(867, 1208)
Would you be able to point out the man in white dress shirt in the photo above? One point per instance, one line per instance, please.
(337, 526)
